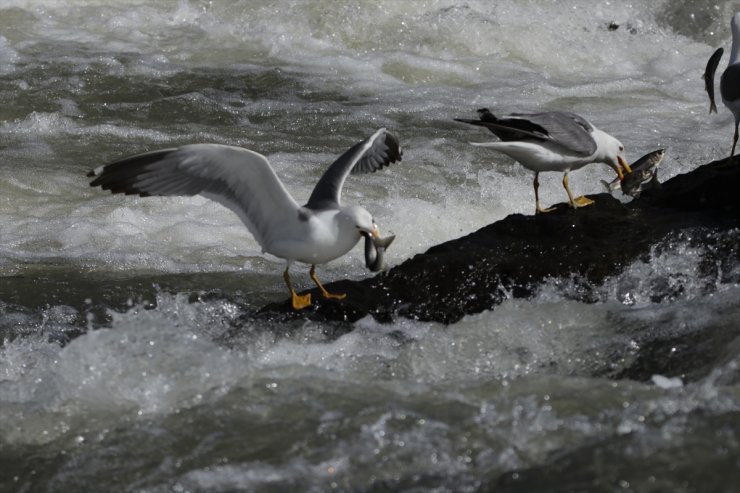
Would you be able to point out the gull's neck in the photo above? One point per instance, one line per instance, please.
(603, 140)
(735, 26)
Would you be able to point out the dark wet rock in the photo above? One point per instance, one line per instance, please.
(513, 257)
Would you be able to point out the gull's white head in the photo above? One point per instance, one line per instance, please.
(611, 152)
(358, 219)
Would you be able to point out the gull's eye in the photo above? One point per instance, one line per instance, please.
(621, 148)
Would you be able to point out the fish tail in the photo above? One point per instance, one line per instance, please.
(712, 107)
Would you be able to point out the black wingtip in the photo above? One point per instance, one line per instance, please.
(484, 115)
(479, 123)
(394, 146)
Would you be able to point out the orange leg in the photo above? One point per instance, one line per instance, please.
(299, 302)
(581, 201)
(536, 184)
(324, 292)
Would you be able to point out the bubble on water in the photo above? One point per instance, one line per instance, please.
(666, 382)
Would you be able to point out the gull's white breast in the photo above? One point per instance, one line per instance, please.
(312, 237)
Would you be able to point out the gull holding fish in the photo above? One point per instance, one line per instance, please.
(729, 83)
(243, 180)
(552, 141)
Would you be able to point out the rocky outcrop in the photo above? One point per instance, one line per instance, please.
(514, 256)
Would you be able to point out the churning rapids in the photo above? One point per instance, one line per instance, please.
(129, 356)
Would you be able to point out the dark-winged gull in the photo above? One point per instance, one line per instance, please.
(552, 141)
(244, 181)
(729, 83)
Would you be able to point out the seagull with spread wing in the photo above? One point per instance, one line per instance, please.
(243, 180)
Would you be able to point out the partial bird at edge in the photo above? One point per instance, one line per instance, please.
(729, 83)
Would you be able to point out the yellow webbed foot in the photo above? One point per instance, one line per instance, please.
(333, 296)
(540, 210)
(300, 302)
(582, 201)
(324, 292)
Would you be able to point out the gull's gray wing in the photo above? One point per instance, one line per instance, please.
(237, 178)
(368, 156)
(708, 76)
(566, 130)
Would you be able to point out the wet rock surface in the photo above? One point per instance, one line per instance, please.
(514, 256)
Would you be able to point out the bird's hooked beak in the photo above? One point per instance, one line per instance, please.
(622, 165)
(375, 233)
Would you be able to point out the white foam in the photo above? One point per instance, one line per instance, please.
(8, 55)
(153, 363)
(149, 362)
(666, 382)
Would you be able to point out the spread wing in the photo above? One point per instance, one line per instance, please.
(237, 178)
(379, 150)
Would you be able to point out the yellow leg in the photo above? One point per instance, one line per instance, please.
(536, 184)
(324, 292)
(299, 302)
(567, 190)
(581, 201)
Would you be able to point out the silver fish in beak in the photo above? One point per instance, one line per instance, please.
(374, 251)
(644, 175)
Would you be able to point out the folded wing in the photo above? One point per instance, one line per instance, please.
(237, 178)
(566, 130)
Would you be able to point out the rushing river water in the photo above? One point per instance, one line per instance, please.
(129, 359)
